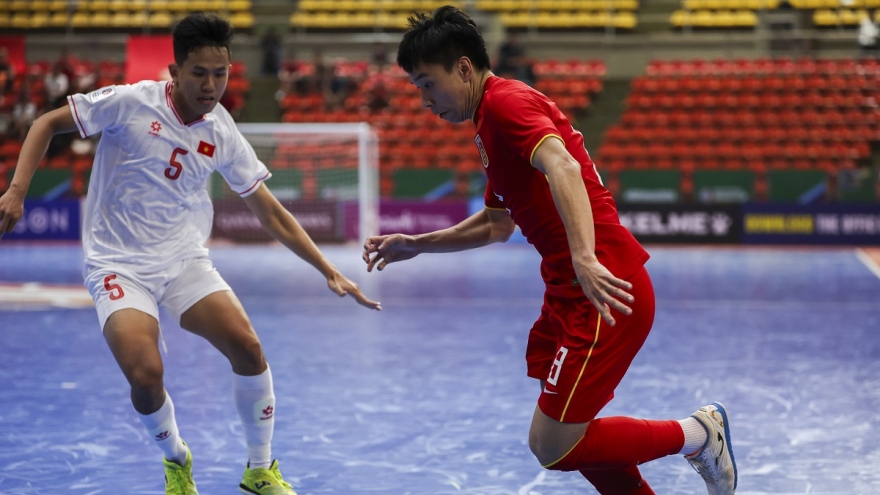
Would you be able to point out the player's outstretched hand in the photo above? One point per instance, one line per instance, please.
(603, 289)
(11, 210)
(342, 286)
(384, 249)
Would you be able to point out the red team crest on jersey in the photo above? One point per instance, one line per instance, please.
(483, 155)
(206, 149)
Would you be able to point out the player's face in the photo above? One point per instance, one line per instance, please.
(200, 81)
(445, 94)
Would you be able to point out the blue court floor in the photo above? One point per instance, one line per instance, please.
(430, 396)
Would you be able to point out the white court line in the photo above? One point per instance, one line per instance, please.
(868, 262)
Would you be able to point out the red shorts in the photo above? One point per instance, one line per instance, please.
(580, 357)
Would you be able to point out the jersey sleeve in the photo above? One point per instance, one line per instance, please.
(244, 172)
(93, 112)
(523, 122)
(492, 200)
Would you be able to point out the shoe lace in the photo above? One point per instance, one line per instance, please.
(276, 473)
(180, 480)
(704, 464)
(271, 474)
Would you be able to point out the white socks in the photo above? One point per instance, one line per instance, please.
(163, 429)
(695, 436)
(255, 401)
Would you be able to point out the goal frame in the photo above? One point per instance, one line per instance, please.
(367, 168)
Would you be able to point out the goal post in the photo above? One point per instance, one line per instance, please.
(326, 174)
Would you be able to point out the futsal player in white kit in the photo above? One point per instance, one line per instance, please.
(147, 218)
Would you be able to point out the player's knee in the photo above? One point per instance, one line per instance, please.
(545, 450)
(247, 358)
(146, 378)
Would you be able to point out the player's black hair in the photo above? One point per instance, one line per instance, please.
(442, 37)
(200, 30)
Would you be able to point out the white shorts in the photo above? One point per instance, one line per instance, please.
(175, 289)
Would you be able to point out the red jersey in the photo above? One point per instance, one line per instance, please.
(512, 119)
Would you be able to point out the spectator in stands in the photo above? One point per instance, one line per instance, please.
(7, 71)
(377, 83)
(67, 63)
(868, 36)
(271, 46)
(56, 84)
(290, 75)
(513, 62)
(24, 112)
(86, 78)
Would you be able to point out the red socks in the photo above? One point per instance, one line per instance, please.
(611, 449)
(618, 442)
(626, 481)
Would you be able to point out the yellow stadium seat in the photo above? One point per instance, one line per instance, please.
(138, 19)
(99, 20)
(178, 6)
(872, 4)
(119, 19)
(515, 19)
(160, 19)
(59, 19)
(703, 18)
(680, 18)
(602, 19)
(136, 5)
(5, 19)
(240, 5)
(848, 17)
(625, 20)
(39, 20)
(363, 20)
(392, 20)
(58, 5)
(99, 5)
(80, 19)
(723, 18)
(746, 18)
(367, 6)
(824, 17)
(309, 5)
(20, 20)
(39, 6)
(297, 19)
(487, 5)
(583, 19)
(20, 5)
(242, 20)
(626, 4)
(877, 16)
(693, 4)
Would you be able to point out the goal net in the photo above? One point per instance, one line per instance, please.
(325, 174)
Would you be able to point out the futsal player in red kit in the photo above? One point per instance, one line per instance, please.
(598, 303)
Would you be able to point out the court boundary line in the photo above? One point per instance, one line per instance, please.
(870, 263)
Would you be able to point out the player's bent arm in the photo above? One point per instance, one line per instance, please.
(484, 227)
(481, 228)
(58, 121)
(569, 193)
(282, 225)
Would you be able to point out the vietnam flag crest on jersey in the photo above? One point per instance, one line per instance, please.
(206, 149)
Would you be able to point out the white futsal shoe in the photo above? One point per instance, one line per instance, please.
(715, 461)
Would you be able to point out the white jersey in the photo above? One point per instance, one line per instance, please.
(147, 205)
